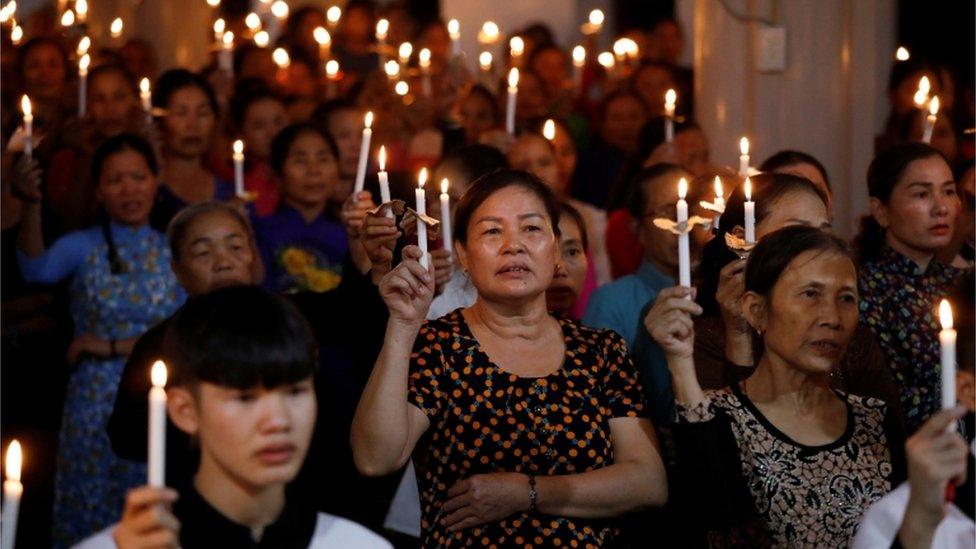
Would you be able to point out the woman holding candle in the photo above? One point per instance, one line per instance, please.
(781, 458)
(43, 67)
(121, 284)
(514, 484)
(913, 209)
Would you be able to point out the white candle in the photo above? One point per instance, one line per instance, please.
(384, 180)
(83, 64)
(744, 157)
(513, 78)
(421, 208)
(13, 490)
(446, 216)
(157, 426)
(218, 27)
(116, 30)
(485, 60)
(332, 77)
(454, 30)
(930, 120)
(750, 212)
(516, 47)
(684, 249)
(262, 39)
(382, 28)
(239, 169)
(145, 95)
(226, 59)
(404, 52)
(670, 97)
(332, 15)
(364, 153)
(324, 40)
(947, 342)
(423, 59)
(594, 23)
(81, 7)
(719, 199)
(25, 106)
(579, 59)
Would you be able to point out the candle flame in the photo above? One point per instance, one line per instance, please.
(144, 85)
(401, 88)
(252, 21)
(945, 314)
(517, 46)
(7, 11)
(382, 27)
(579, 56)
(81, 6)
(262, 39)
(747, 188)
(549, 129)
(490, 31)
(670, 97)
(902, 54)
(83, 45)
(934, 105)
(368, 121)
(454, 28)
(606, 59)
(322, 36)
(67, 18)
(924, 85)
(15, 459)
(158, 374)
(392, 68)
(719, 191)
(382, 158)
(405, 51)
(213, 3)
(513, 78)
(16, 34)
(25, 106)
(332, 68)
(228, 39)
(445, 184)
(424, 58)
(485, 60)
(920, 98)
(281, 58)
(219, 26)
(596, 18)
(280, 9)
(620, 47)
(422, 178)
(84, 63)
(238, 147)
(333, 14)
(744, 145)
(116, 28)
(682, 188)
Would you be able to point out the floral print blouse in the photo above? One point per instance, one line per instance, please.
(899, 303)
(485, 420)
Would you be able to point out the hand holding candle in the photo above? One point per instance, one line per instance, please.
(670, 98)
(13, 490)
(684, 249)
(446, 216)
(513, 79)
(157, 426)
(750, 213)
(421, 201)
(363, 153)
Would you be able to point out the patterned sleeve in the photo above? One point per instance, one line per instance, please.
(622, 392)
(427, 365)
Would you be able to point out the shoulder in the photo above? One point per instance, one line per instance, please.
(866, 405)
(610, 293)
(595, 337)
(101, 540)
(332, 531)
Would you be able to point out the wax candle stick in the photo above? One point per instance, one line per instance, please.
(145, 95)
(670, 97)
(115, 31)
(516, 47)
(423, 60)
(579, 60)
(83, 64)
(226, 59)
(332, 15)
(157, 426)
(930, 120)
(404, 52)
(454, 30)
(239, 169)
(719, 199)
(513, 79)
(684, 249)
(382, 29)
(750, 212)
(83, 46)
(446, 216)
(332, 78)
(364, 153)
(81, 10)
(947, 343)
(744, 157)
(324, 40)
(13, 490)
(384, 180)
(421, 208)
(594, 22)
(25, 107)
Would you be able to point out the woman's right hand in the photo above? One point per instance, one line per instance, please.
(669, 322)
(379, 235)
(27, 179)
(731, 286)
(147, 520)
(408, 289)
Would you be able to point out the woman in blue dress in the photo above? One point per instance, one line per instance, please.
(120, 285)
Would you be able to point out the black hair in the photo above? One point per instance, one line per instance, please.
(485, 93)
(487, 185)
(538, 33)
(110, 147)
(963, 300)
(181, 222)
(474, 161)
(645, 64)
(791, 158)
(883, 175)
(246, 93)
(767, 189)
(114, 68)
(38, 42)
(241, 337)
(657, 23)
(281, 144)
(567, 209)
(242, 51)
(323, 114)
(774, 253)
(615, 95)
(542, 48)
(175, 80)
(656, 175)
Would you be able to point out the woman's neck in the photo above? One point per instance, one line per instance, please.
(308, 211)
(921, 258)
(524, 320)
(247, 505)
(779, 384)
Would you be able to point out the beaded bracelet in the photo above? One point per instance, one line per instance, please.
(532, 494)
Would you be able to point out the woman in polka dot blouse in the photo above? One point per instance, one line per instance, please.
(525, 430)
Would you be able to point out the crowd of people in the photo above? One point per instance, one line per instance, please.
(521, 370)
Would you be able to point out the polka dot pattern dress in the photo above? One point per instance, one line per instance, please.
(485, 420)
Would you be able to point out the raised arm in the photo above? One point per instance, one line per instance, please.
(669, 323)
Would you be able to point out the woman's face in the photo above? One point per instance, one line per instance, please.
(346, 127)
(651, 83)
(127, 188)
(692, 147)
(812, 311)
(622, 122)
(258, 63)
(533, 154)
(794, 208)
(216, 252)
(550, 65)
(567, 284)
(262, 121)
(44, 72)
(921, 210)
(511, 250)
(189, 123)
(310, 171)
(110, 101)
(530, 103)
(477, 115)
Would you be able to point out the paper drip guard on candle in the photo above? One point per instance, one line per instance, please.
(682, 226)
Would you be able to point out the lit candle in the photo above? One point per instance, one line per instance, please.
(392, 70)
(382, 28)
(485, 61)
(454, 30)
(16, 34)
(594, 23)
(901, 54)
(218, 27)
(579, 59)
(145, 95)
(922, 93)
(719, 199)
(489, 33)
(332, 77)
(262, 39)
(549, 130)
(384, 178)
(83, 64)
(516, 47)
(281, 58)
(423, 59)
(239, 169)
(404, 52)
(401, 88)
(947, 343)
(81, 9)
(253, 22)
(7, 12)
(422, 210)
(280, 9)
(364, 153)
(25, 107)
(324, 40)
(750, 213)
(332, 15)
(116, 29)
(213, 3)
(227, 53)
(83, 46)
(670, 97)
(606, 60)
(620, 48)
(446, 216)
(744, 157)
(12, 492)
(684, 250)
(157, 426)
(930, 120)
(67, 18)
(513, 78)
